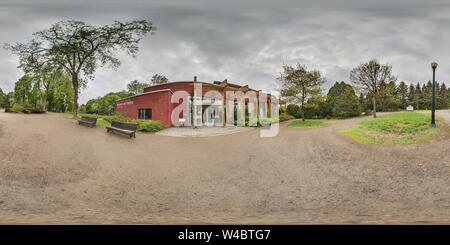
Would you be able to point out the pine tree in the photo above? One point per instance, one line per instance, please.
(418, 97)
(403, 93)
(438, 98)
(411, 95)
(444, 95)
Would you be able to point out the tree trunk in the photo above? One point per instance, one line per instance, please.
(374, 101)
(303, 102)
(75, 94)
(44, 108)
(303, 112)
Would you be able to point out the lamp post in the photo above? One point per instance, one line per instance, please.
(433, 124)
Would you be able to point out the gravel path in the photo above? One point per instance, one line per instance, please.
(54, 171)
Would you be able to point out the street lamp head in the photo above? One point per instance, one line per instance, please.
(434, 65)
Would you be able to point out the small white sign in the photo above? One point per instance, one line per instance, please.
(410, 108)
(125, 103)
(182, 120)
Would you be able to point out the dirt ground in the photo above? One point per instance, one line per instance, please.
(54, 171)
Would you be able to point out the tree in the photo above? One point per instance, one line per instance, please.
(81, 48)
(388, 97)
(427, 92)
(298, 84)
(294, 110)
(342, 101)
(403, 93)
(38, 66)
(105, 105)
(3, 96)
(22, 90)
(159, 79)
(412, 95)
(347, 105)
(89, 106)
(444, 96)
(315, 107)
(47, 77)
(438, 98)
(136, 87)
(60, 94)
(369, 76)
(418, 97)
(7, 100)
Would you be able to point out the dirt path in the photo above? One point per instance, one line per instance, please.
(54, 171)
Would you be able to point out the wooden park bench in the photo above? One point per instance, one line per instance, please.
(123, 128)
(88, 121)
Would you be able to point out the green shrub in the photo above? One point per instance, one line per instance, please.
(37, 110)
(143, 125)
(121, 118)
(285, 117)
(18, 108)
(150, 126)
(264, 121)
(294, 110)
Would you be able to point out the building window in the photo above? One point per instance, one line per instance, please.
(145, 114)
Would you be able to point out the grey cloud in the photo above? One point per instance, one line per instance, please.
(248, 41)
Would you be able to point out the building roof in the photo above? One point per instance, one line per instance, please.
(151, 92)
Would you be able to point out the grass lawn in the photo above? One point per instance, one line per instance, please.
(85, 114)
(397, 128)
(306, 124)
(101, 122)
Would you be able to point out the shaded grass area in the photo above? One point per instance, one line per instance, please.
(397, 128)
(306, 124)
(86, 114)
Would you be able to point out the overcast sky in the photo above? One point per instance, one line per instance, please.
(247, 42)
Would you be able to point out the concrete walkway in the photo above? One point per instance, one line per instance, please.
(202, 131)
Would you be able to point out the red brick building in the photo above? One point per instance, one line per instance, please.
(155, 103)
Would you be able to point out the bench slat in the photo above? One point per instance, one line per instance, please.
(123, 127)
(90, 121)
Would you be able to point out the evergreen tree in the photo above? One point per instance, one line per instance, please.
(403, 92)
(438, 97)
(427, 95)
(342, 100)
(411, 95)
(389, 99)
(444, 95)
(418, 97)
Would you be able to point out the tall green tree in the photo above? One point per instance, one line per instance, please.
(418, 97)
(298, 83)
(22, 91)
(2, 98)
(60, 94)
(159, 79)
(403, 93)
(136, 87)
(342, 100)
(105, 105)
(427, 90)
(388, 97)
(444, 96)
(411, 95)
(369, 76)
(81, 48)
(38, 66)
